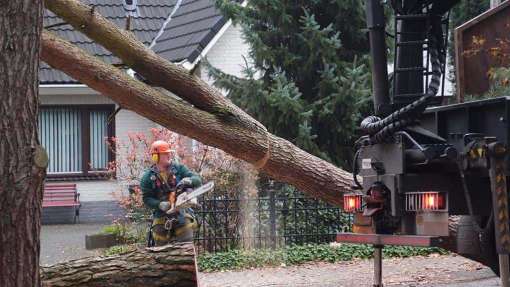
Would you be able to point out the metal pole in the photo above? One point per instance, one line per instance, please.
(376, 34)
(378, 266)
(272, 215)
(504, 272)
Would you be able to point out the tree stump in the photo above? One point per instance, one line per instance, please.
(169, 265)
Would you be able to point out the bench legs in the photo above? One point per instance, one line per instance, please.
(76, 215)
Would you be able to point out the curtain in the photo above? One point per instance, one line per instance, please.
(60, 134)
(98, 137)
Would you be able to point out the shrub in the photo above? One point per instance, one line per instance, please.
(133, 158)
(299, 254)
(125, 232)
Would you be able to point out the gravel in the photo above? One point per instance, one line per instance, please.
(435, 270)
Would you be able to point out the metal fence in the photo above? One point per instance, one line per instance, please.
(270, 220)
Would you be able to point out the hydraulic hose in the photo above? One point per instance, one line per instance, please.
(379, 129)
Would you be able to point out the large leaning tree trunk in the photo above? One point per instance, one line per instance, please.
(214, 121)
(170, 265)
(273, 155)
(22, 160)
(204, 115)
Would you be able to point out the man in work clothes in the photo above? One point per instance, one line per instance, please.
(159, 185)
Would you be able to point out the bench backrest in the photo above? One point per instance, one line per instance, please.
(60, 192)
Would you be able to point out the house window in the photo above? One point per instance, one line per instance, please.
(75, 139)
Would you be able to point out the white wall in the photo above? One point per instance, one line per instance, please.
(98, 190)
(227, 53)
(130, 122)
(125, 122)
(70, 99)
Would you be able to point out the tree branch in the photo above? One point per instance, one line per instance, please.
(275, 156)
(136, 55)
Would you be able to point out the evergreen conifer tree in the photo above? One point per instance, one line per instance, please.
(306, 78)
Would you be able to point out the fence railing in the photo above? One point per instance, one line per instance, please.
(274, 220)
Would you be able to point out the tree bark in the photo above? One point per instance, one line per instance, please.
(273, 155)
(170, 265)
(155, 69)
(22, 161)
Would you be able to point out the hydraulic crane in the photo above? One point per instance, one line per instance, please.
(422, 161)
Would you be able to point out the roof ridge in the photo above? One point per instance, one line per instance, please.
(162, 29)
(193, 11)
(196, 23)
(185, 34)
(205, 18)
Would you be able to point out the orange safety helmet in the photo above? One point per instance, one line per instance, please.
(158, 147)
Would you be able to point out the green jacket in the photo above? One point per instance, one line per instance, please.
(153, 192)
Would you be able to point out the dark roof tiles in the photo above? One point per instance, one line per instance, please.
(193, 25)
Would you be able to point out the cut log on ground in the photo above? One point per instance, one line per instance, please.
(170, 265)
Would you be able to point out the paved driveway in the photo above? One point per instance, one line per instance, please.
(65, 242)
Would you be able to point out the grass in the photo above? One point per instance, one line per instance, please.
(119, 249)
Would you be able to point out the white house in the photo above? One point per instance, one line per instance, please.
(73, 117)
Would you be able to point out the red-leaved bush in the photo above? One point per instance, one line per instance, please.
(133, 158)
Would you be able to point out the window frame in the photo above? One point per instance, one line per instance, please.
(87, 172)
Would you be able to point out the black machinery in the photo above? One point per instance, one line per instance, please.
(422, 162)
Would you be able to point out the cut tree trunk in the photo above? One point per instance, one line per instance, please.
(22, 161)
(275, 156)
(170, 265)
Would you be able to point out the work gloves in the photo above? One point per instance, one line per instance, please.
(164, 206)
(185, 183)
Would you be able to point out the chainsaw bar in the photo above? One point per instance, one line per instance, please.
(197, 192)
(187, 197)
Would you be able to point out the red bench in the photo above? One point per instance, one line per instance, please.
(62, 195)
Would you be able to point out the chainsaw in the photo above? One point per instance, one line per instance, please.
(188, 198)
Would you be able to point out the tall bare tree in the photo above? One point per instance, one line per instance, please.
(22, 160)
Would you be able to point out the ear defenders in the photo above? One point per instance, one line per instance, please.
(155, 157)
